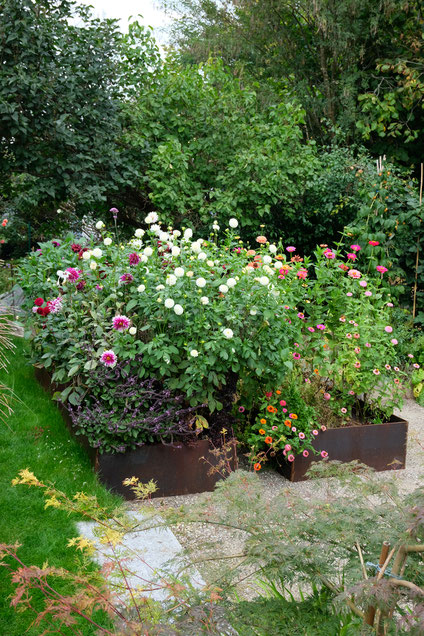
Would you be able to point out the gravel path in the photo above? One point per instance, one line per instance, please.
(231, 543)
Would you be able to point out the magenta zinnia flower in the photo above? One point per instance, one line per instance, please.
(351, 256)
(324, 454)
(381, 269)
(108, 358)
(134, 258)
(329, 254)
(121, 323)
(302, 273)
(355, 248)
(290, 248)
(321, 327)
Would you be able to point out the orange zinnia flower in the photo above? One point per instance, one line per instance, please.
(278, 392)
(263, 421)
(294, 416)
(268, 440)
(261, 431)
(288, 423)
(250, 253)
(270, 408)
(257, 466)
(316, 371)
(261, 239)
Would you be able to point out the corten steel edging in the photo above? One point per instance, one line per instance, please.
(176, 471)
(380, 446)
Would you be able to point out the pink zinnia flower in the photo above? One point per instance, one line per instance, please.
(301, 435)
(305, 453)
(121, 323)
(354, 273)
(388, 329)
(329, 254)
(311, 329)
(396, 369)
(351, 392)
(363, 283)
(283, 403)
(290, 458)
(416, 366)
(296, 356)
(376, 372)
(355, 248)
(368, 293)
(323, 428)
(373, 243)
(108, 358)
(73, 274)
(274, 428)
(321, 327)
(349, 294)
(410, 355)
(291, 416)
(315, 432)
(284, 410)
(287, 447)
(390, 305)
(342, 319)
(351, 256)
(302, 273)
(394, 341)
(300, 315)
(357, 349)
(351, 322)
(134, 258)
(326, 396)
(296, 344)
(290, 248)
(381, 269)
(356, 335)
(349, 335)
(126, 278)
(396, 381)
(343, 410)
(367, 344)
(294, 429)
(387, 366)
(357, 365)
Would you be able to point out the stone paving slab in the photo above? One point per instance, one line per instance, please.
(147, 556)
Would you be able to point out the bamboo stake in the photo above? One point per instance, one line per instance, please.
(414, 307)
(370, 614)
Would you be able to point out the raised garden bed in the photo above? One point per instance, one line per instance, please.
(176, 470)
(380, 446)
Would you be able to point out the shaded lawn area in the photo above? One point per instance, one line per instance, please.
(35, 437)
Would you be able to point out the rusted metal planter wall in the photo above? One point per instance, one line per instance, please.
(381, 446)
(176, 471)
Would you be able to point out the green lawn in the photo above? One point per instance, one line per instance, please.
(38, 439)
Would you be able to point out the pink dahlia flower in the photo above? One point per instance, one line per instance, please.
(126, 278)
(73, 274)
(108, 358)
(134, 259)
(121, 323)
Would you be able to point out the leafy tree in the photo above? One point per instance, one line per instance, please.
(324, 52)
(211, 149)
(59, 108)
